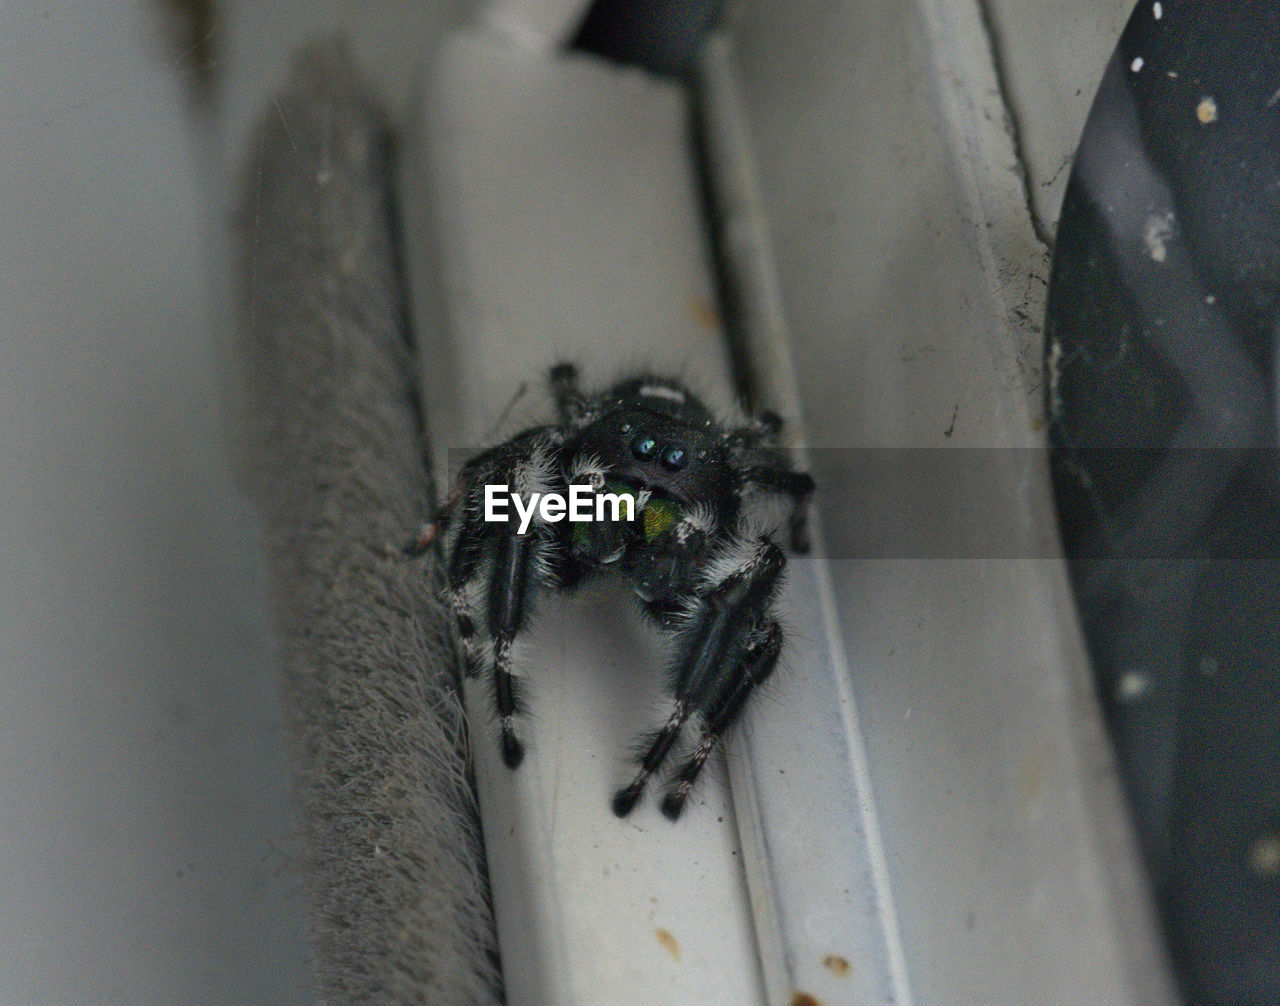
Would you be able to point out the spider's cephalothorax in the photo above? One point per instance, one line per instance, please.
(701, 569)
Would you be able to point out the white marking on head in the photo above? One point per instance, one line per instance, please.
(662, 391)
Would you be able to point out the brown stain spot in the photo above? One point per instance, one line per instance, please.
(705, 313)
(804, 999)
(669, 943)
(837, 965)
(1031, 776)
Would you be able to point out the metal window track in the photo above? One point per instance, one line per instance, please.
(552, 215)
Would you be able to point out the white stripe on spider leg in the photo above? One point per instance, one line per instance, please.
(537, 473)
(736, 558)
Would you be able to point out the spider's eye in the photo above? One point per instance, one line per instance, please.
(674, 458)
(644, 447)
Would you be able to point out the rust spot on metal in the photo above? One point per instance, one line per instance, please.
(705, 314)
(669, 943)
(837, 965)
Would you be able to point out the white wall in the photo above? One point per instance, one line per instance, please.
(145, 836)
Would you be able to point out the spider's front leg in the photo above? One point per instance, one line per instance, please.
(726, 647)
(759, 656)
(495, 560)
(520, 559)
(513, 568)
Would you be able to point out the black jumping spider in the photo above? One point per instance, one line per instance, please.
(702, 571)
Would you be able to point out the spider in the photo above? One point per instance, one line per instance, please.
(703, 570)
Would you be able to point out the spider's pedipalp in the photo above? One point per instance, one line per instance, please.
(667, 572)
(587, 469)
(699, 519)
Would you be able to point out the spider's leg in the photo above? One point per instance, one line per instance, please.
(744, 579)
(480, 469)
(433, 529)
(532, 468)
(464, 572)
(659, 746)
(757, 661)
(799, 486)
(761, 429)
(769, 422)
(513, 568)
(570, 403)
(463, 578)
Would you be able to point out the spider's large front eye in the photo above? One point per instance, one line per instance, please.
(644, 447)
(674, 458)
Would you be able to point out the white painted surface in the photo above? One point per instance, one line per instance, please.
(826, 918)
(910, 285)
(145, 852)
(1053, 56)
(537, 25)
(570, 231)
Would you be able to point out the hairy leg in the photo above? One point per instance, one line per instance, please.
(513, 569)
(716, 631)
(570, 403)
(799, 486)
(756, 663)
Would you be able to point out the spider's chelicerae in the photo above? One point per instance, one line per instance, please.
(702, 569)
